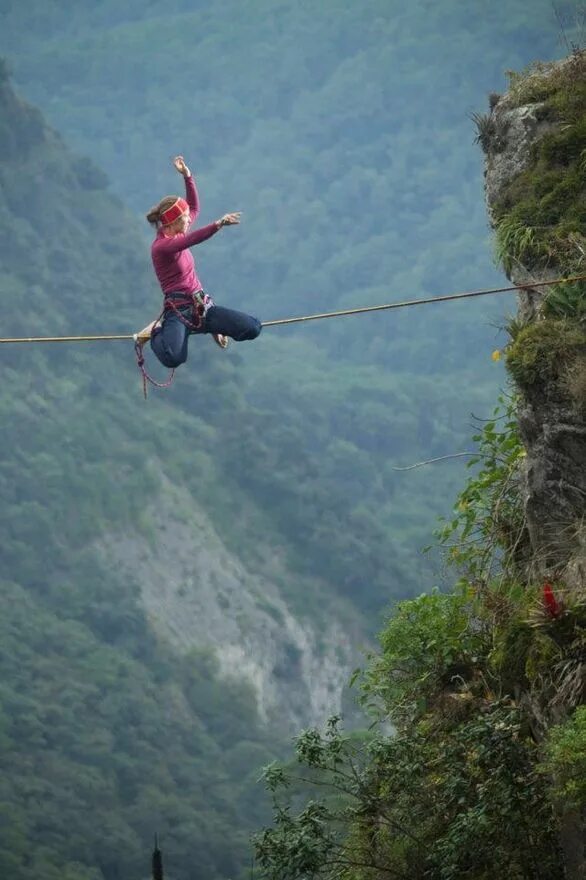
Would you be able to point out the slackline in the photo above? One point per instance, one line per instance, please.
(339, 314)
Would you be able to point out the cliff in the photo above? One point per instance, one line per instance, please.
(535, 182)
(211, 598)
(484, 775)
(535, 144)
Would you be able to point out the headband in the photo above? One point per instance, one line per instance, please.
(176, 210)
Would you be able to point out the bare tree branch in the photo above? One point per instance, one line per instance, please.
(431, 460)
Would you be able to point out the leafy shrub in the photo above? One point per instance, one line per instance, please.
(487, 526)
(566, 759)
(430, 644)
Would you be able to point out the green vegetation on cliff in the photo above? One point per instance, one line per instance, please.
(540, 215)
(484, 686)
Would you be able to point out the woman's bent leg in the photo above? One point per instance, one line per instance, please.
(169, 343)
(238, 325)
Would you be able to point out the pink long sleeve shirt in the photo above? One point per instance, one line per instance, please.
(172, 260)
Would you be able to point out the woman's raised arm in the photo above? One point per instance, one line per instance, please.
(191, 195)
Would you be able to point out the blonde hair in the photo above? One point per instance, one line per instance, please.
(154, 215)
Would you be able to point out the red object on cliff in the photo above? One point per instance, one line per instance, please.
(549, 600)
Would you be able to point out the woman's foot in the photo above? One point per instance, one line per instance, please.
(220, 340)
(145, 334)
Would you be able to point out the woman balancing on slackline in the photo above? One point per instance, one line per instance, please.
(187, 309)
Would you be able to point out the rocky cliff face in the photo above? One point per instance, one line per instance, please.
(208, 599)
(535, 183)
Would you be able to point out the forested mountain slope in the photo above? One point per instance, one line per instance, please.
(106, 734)
(249, 521)
(342, 134)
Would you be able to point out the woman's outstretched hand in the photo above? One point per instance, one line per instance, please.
(229, 219)
(179, 163)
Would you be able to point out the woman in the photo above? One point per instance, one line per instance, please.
(187, 309)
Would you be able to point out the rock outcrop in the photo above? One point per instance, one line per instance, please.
(535, 140)
(208, 599)
(535, 183)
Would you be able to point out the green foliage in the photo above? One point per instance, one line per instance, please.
(534, 652)
(515, 243)
(566, 301)
(99, 748)
(544, 350)
(541, 217)
(429, 645)
(296, 846)
(485, 129)
(506, 824)
(574, 382)
(290, 446)
(317, 416)
(513, 641)
(487, 525)
(299, 845)
(566, 760)
(543, 81)
(459, 790)
(447, 804)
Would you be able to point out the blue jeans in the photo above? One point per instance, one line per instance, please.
(169, 342)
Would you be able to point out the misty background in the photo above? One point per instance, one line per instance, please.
(187, 581)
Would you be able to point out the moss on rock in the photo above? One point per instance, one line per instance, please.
(540, 214)
(552, 82)
(543, 351)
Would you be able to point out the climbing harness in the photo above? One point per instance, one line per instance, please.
(198, 303)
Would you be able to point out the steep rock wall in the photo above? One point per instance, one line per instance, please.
(534, 139)
(535, 183)
(199, 594)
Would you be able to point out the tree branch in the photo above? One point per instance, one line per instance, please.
(431, 460)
